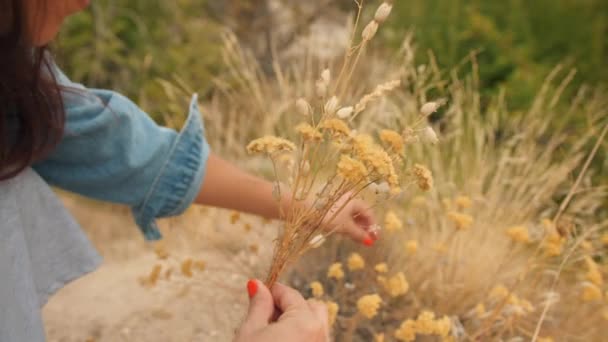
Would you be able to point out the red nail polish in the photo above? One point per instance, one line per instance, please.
(368, 242)
(252, 288)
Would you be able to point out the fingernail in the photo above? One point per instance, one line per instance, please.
(368, 242)
(252, 288)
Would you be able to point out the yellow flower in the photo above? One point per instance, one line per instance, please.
(335, 271)
(368, 305)
(337, 127)
(317, 289)
(393, 140)
(270, 145)
(424, 177)
(519, 234)
(355, 262)
(605, 239)
(352, 170)
(397, 285)
(308, 132)
(480, 310)
(498, 293)
(591, 292)
(462, 221)
(382, 281)
(392, 222)
(381, 268)
(553, 243)
(406, 331)
(443, 326)
(463, 202)
(332, 310)
(594, 274)
(375, 159)
(425, 323)
(411, 247)
(379, 337)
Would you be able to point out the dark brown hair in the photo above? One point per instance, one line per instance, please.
(31, 108)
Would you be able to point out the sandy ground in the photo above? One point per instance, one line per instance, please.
(112, 304)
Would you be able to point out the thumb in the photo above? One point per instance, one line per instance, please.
(261, 306)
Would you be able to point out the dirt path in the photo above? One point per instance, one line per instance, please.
(111, 304)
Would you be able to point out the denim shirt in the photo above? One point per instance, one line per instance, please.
(113, 151)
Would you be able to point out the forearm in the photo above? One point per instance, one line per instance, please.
(227, 186)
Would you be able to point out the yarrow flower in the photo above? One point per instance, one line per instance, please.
(270, 145)
(368, 305)
(463, 202)
(393, 140)
(411, 247)
(317, 289)
(376, 160)
(406, 331)
(425, 324)
(594, 274)
(424, 178)
(397, 285)
(351, 170)
(308, 132)
(381, 268)
(591, 292)
(335, 271)
(519, 234)
(332, 310)
(337, 127)
(462, 221)
(392, 222)
(355, 262)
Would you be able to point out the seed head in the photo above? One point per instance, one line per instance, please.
(370, 30)
(344, 112)
(317, 241)
(383, 12)
(303, 107)
(326, 76)
(429, 108)
(428, 135)
(332, 105)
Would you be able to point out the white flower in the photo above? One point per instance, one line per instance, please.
(326, 76)
(428, 135)
(370, 30)
(303, 107)
(317, 241)
(332, 105)
(383, 11)
(345, 112)
(429, 108)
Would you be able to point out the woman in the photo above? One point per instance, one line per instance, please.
(99, 144)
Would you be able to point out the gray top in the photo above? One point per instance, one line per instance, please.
(41, 249)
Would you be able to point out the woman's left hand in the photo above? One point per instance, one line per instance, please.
(356, 220)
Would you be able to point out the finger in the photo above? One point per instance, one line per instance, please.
(286, 298)
(321, 312)
(362, 214)
(261, 306)
(358, 233)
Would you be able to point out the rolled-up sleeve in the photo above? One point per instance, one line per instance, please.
(113, 151)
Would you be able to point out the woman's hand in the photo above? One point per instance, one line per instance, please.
(355, 220)
(282, 314)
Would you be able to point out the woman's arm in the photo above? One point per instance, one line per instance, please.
(227, 186)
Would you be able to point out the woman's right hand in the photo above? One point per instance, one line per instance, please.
(282, 314)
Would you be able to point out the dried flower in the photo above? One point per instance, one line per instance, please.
(378, 92)
(519, 234)
(383, 12)
(309, 133)
(425, 323)
(368, 305)
(463, 202)
(429, 108)
(553, 243)
(411, 247)
(379, 337)
(376, 160)
(428, 135)
(337, 127)
(370, 30)
(392, 222)
(317, 289)
(344, 112)
(381, 268)
(424, 178)
(397, 285)
(186, 267)
(591, 292)
(303, 107)
(462, 221)
(355, 262)
(332, 105)
(270, 145)
(480, 310)
(393, 140)
(594, 274)
(406, 331)
(351, 170)
(335, 271)
(154, 275)
(161, 251)
(332, 309)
